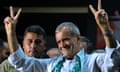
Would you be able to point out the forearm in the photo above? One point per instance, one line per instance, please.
(12, 42)
(109, 38)
(10, 27)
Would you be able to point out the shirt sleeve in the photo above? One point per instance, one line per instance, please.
(116, 56)
(105, 60)
(6, 67)
(26, 64)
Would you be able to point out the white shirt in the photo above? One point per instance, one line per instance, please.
(89, 63)
(68, 65)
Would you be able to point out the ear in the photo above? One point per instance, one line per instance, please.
(22, 41)
(23, 44)
(45, 44)
(78, 37)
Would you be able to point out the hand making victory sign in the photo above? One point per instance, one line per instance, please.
(100, 15)
(10, 26)
(11, 21)
(101, 18)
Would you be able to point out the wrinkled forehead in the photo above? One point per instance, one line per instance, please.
(63, 32)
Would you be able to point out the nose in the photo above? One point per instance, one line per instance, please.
(61, 45)
(33, 45)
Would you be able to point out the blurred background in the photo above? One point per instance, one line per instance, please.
(50, 13)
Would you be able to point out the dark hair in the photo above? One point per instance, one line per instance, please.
(35, 29)
(1, 42)
(90, 47)
(85, 39)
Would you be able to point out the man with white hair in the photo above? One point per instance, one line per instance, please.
(73, 58)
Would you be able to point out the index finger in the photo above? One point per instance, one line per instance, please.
(18, 13)
(99, 5)
(11, 11)
(92, 9)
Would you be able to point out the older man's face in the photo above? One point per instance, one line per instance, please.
(67, 43)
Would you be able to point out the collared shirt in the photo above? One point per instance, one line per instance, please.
(6, 67)
(94, 62)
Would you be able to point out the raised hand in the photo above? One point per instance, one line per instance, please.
(101, 18)
(11, 21)
(100, 15)
(10, 26)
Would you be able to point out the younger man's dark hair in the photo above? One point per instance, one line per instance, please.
(35, 29)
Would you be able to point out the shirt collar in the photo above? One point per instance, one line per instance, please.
(81, 54)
